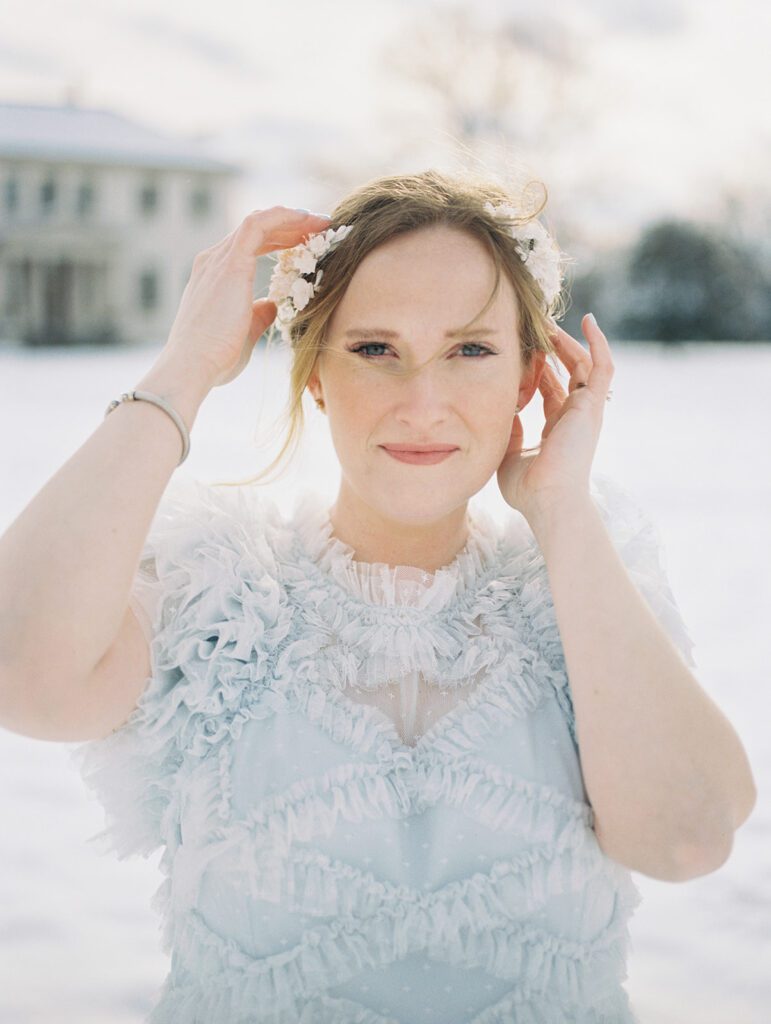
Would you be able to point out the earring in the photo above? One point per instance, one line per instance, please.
(320, 403)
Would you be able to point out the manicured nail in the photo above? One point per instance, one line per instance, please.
(592, 319)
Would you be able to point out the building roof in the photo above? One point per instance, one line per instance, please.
(68, 132)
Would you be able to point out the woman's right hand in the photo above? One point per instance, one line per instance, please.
(218, 321)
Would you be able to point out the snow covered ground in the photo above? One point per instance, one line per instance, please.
(687, 433)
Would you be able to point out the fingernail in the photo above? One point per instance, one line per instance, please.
(593, 320)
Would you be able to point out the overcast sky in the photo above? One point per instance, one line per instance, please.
(678, 88)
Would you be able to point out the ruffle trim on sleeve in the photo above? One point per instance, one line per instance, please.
(219, 596)
(639, 543)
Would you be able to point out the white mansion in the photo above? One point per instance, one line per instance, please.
(100, 219)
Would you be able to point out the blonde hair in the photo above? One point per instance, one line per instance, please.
(394, 205)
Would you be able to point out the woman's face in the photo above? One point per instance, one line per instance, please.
(421, 286)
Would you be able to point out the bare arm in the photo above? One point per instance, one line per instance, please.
(68, 560)
(71, 651)
(664, 769)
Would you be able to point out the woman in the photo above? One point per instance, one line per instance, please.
(400, 760)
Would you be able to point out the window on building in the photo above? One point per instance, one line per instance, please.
(17, 287)
(88, 275)
(48, 195)
(148, 199)
(148, 290)
(85, 199)
(11, 195)
(200, 201)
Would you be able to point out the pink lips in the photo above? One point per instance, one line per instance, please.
(420, 458)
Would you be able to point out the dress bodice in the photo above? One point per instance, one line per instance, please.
(366, 783)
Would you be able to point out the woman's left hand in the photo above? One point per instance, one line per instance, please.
(560, 470)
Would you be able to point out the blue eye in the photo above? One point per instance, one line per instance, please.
(367, 344)
(485, 351)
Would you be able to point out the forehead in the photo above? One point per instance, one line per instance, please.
(440, 272)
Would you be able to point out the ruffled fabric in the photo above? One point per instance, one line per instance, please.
(430, 641)
(229, 574)
(261, 623)
(640, 545)
(218, 622)
(572, 977)
(377, 583)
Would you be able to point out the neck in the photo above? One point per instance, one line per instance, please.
(376, 535)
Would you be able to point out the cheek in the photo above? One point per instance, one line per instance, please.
(500, 426)
(352, 418)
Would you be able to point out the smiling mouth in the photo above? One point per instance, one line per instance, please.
(425, 458)
(420, 447)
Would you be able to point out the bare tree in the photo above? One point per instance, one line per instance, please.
(506, 80)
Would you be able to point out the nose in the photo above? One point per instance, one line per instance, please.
(424, 398)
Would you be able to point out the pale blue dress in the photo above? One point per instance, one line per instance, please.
(365, 779)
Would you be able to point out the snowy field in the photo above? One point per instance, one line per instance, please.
(687, 433)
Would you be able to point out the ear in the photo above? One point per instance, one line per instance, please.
(530, 378)
(314, 385)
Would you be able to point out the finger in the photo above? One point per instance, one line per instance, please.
(572, 353)
(262, 231)
(554, 394)
(602, 361)
(550, 382)
(263, 315)
(516, 437)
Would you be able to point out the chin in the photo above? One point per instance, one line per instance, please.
(416, 505)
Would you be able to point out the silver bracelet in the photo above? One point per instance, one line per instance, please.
(148, 396)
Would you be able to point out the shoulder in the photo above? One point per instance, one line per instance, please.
(219, 555)
(215, 526)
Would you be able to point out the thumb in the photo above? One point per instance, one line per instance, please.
(263, 314)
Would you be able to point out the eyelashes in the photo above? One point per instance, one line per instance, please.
(485, 351)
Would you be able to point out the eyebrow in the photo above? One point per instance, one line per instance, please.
(381, 332)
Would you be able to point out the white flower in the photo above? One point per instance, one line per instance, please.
(317, 244)
(302, 293)
(537, 250)
(289, 287)
(304, 261)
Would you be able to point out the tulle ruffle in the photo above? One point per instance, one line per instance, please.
(640, 545)
(219, 622)
(402, 586)
(355, 792)
(519, 1005)
(259, 616)
(467, 925)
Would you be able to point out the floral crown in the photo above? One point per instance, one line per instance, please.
(291, 290)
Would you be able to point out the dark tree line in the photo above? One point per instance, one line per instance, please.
(680, 281)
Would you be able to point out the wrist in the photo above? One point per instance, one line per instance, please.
(183, 389)
(557, 515)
